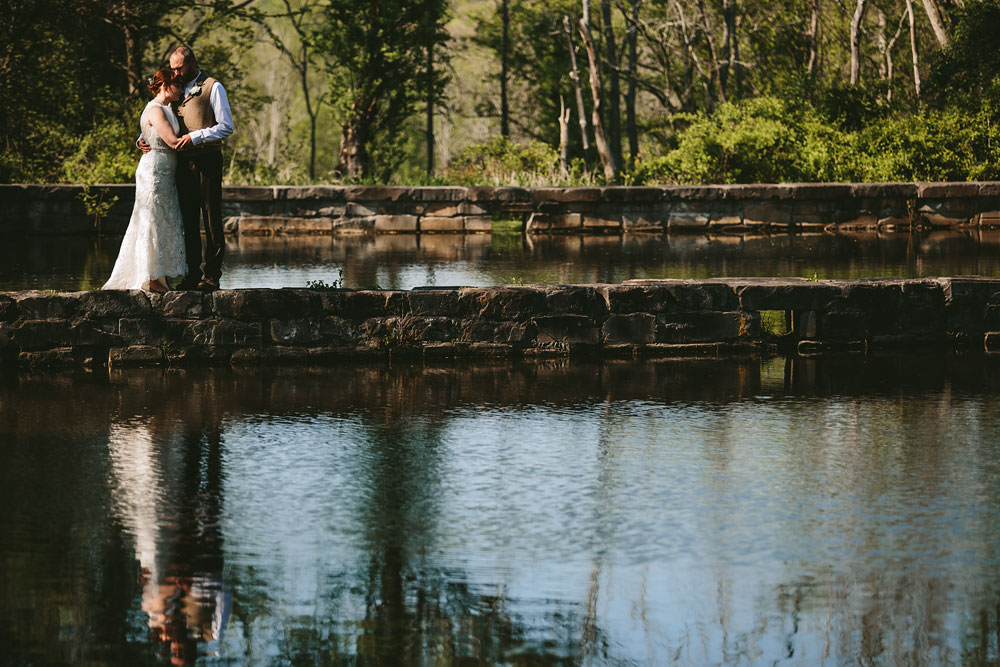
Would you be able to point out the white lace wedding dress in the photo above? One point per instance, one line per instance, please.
(153, 246)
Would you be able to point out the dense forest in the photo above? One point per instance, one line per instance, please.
(519, 91)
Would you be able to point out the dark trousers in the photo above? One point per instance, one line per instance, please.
(199, 187)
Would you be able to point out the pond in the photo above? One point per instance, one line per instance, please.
(407, 261)
(777, 510)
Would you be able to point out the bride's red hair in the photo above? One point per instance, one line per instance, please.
(163, 77)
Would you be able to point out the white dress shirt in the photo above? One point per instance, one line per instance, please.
(223, 115)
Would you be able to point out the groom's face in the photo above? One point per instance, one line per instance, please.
(185, 70)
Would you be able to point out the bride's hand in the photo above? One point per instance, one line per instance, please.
(183, 142)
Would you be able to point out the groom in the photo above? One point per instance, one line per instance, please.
(205, 120)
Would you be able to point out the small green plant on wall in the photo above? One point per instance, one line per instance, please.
(337, 283)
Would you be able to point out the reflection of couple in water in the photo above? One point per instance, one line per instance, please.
(167, 493)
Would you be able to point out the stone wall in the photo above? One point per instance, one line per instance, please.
(59, 209)
(633, 319)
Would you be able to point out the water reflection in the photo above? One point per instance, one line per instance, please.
(780, 510)
(167, 490)
(405, 261)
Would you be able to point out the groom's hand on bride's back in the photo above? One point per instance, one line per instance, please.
(143, 146)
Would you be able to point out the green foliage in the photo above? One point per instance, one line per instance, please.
(966, 74)
(761, 140)
(949, 145)
(336, 283)
(107, 152)
(500, 160)
(376, 57)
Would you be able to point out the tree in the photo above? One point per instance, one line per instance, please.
(376, 56)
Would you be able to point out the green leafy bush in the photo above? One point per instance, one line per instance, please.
(761, 140)
(501, 161)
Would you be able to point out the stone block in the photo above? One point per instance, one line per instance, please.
(688, 215)
(260, 304)
(356, 210)
(38, 305)
(152, 331)
(436, 302)
(409, 331)
(514, 304)
(247, 193)
(396, 223)
(478, 223)
(185, 304)
(565, 329)
(704, 327)
(485, 331)
(295, 332)
(644, 219)
(60, 356)
(566, 195)
(136, 355)
(30, 335)
(503, 194)
(443, 209)
(767, 213)
(576, 300)
(364, 304)
(602, 222)
(565, 221)
(223, 332)
(9, 310)
(787, 294)
(645, 195)
(100, 304)
(637, 328)
(947, 190)
(473, 209)
(441, 224)
(841, 322)
(658, 296)
(187, 355)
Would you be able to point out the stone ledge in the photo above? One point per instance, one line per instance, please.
(637, 318)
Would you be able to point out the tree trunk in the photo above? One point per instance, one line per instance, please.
(607, 162)
(575, 76)
(429, 134)
(712, 52)
(889, 61)
(859, 12)
(730, 42)
(633, 64)
(614, 110)
(913, 47)
(352, 161)
(937, 24)
(813, 39)
(563, 137)
(504, 48)
(133, 61)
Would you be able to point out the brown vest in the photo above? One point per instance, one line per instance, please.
(195, 113)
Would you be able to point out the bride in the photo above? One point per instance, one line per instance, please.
(153, 247)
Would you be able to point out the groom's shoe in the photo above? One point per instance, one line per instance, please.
(208, 285)
(188, 283)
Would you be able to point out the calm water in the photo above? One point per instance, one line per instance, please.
(406, 261)
(840, 510)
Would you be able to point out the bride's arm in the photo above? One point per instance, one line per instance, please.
(163, 127)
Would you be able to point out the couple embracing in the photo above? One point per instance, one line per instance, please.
(178, 180)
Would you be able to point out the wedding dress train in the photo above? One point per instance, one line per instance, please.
(153, 246)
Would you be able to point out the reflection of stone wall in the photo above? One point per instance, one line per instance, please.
(636, 318)
(47, 209)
